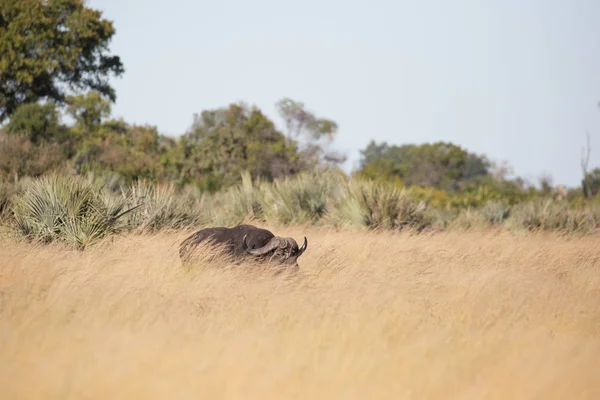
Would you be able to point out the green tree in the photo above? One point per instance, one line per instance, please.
(128, 151)
(441, 165)
(225, 142)
(89, 110)
(38, 122)
(374, 152)
(47, 47)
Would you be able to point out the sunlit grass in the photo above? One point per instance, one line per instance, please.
(370, 315)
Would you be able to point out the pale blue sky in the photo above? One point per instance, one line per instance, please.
(517, 80)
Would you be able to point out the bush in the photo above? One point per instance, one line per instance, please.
(80, 211)
(162, 206)
(372, 204)
(302, 199)
(67, 209)
(548, 215)
(238, 203)
(495, 212)
(19, 157)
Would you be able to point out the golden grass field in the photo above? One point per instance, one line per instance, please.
(370, 316)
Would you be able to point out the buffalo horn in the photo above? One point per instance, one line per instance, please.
(301, 249)
(273, 243)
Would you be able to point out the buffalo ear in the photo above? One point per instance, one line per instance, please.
(303, 248)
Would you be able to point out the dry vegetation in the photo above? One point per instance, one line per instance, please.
(371, 315)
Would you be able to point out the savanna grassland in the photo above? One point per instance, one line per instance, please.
(469, 315)
(432, 271)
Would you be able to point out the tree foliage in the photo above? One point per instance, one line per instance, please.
(89, 110)
(47, 47)
(221, 145)
(130, 152)
(440, 165)
(225, 142)
(38, 123)
(54, 54)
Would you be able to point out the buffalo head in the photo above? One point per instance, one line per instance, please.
(283, 250)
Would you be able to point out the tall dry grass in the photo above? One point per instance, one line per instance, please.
(371, 315)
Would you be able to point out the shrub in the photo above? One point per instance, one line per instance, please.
(299, 200)
(372, 204)
(238, 203)
(162, 206)
(495, 212)
(19, 157)
(80, 211)
(67, 209)
(549, 215)
(468, 218)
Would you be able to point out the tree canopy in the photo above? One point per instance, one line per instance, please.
(225, 142)
(49, 47)
(220, 146)
(441, 164)
(54, 55)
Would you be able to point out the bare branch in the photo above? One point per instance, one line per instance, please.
(585, 159)
(585, 155)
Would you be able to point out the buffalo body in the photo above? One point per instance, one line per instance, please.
(245, 241)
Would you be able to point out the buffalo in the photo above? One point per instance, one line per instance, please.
(247, 242)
